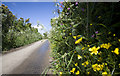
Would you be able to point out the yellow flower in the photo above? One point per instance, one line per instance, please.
(119, 40)
(76, 64)
(116, 51)
(83, 48)
(91, 24)
(98, 68)
(74, 37)
(72, 70)
(105, 63)
(63, 30)
(108, 74)
(88, 72)
(77, 72)
(79, 57)
(94, 50)
(99, 53)
(104, 73)
(99, 16)
(74, 51)
(102, 46)
(69, 33)
(109, 33)
(85, 63)
(99, 59)
(78, 35)
(88, 45)
(94, 67)
(101, 67)
(107, 46)
(78, 41)
(113, 34)
(60, 73)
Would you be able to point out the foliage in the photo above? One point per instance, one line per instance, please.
(16, 32)
(85, 39)
(45, 35)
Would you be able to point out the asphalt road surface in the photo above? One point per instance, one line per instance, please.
(30, 60)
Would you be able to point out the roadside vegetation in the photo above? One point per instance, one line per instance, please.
(85, 39)
(16, 32)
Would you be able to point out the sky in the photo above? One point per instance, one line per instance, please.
(41, 12)
(34, 0)
(60, 0)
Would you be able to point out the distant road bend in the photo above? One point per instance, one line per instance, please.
(30, 60)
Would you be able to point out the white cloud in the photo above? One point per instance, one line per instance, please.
(38, 27)
(42, 29)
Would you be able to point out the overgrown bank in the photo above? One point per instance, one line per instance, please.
(85, 39)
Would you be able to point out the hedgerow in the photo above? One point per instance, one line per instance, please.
(16, 32)
(85, 39)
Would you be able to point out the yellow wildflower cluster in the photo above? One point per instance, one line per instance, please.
(116, 51)
(97, 67)
(94, 50)
(73, 70)
(85, 63)
(107, 46)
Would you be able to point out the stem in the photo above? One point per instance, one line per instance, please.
(113, 71)
(70, 60)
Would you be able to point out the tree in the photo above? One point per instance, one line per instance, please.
(16, 32)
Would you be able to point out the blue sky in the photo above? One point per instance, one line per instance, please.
(41, 12)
